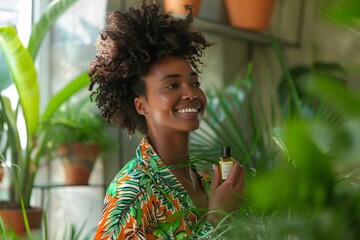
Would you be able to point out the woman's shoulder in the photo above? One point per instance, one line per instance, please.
(132, 171)
(132, 177)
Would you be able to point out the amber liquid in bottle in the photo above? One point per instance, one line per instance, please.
(225, 163)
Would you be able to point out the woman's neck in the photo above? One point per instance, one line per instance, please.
(173, 149)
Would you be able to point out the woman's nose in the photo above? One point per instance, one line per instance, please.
(190, 95)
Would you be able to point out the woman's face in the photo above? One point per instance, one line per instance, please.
(174, 101)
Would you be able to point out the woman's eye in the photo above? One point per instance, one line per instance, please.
(171, 86)
(196, 84)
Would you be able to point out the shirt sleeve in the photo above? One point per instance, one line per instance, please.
(119, 218)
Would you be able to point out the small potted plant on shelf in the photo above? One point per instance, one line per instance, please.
(250, 14)
(25, 139)
(78, 134)
(179, 8)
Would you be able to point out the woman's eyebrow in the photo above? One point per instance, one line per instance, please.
(175, 75)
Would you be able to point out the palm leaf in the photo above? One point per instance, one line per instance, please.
(236, 117)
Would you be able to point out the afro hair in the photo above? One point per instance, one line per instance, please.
(127, 47)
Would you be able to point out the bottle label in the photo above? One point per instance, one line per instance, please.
(225, 169)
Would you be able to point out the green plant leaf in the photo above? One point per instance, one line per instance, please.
(40, 28)
(23, 73)
(235, 117)
(334, 93)
(10, 118)
(64, 94)
(343, 11)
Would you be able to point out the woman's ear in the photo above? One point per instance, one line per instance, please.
(140, 105)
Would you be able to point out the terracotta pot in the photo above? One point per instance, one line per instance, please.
(176, 7)
(13, 218)
(250, 14)
(76, 174)
(79, 159)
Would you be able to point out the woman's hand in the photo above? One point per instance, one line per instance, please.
(225, 197)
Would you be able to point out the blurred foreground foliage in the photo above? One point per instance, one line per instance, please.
(303, 170)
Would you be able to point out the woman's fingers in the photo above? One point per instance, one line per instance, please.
(237, 175)
(216, 178)
(241, 177)
(235, 172)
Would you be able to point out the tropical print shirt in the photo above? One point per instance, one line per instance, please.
(146, 201)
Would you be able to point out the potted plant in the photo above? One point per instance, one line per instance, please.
(24, 160)
(178, 9)
(78, 134)
(250, 14)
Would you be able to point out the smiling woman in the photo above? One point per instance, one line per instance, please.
(173, 95)
(145, 78)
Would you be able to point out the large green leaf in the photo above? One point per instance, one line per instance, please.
(23, 72)
(56, 9)
(10, 119)
(343, 11)
(64, 94)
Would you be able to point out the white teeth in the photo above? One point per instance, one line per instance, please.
(186, 110)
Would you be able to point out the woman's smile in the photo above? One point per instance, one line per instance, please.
(190, 112)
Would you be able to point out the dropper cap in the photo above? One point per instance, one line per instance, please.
(225, 152)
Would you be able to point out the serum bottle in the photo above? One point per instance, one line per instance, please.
(225, 163)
